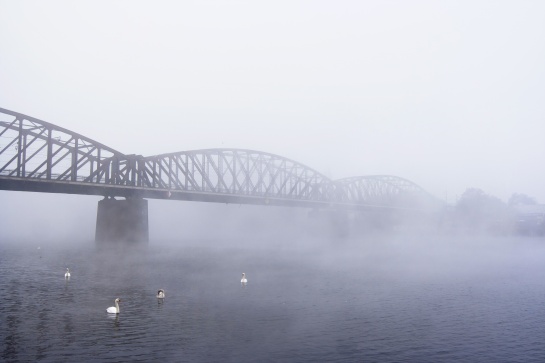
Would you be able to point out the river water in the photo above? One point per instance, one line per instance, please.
(372, 299)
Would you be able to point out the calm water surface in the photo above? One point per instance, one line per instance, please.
(399, 299)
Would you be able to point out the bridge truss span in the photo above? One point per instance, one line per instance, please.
(236, 172)
(35, 149)
(383, 190)
(39, 156)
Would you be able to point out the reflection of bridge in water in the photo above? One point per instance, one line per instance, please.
(41, 157)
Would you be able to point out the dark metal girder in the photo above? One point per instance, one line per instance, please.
(76, 164)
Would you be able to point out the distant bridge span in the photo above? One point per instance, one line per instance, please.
(39, 156)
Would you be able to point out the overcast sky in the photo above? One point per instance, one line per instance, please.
(448, 94)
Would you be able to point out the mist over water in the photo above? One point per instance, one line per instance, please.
(310, 297)
(446, 95)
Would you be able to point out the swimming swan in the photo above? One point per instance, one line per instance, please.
(114, 309)
(243, 280)
(67, 274)
(161, 294)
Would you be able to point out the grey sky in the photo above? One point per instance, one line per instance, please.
(448, 94)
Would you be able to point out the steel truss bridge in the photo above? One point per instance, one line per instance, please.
(41, 157)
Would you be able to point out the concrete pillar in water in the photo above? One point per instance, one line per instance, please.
(122, 220)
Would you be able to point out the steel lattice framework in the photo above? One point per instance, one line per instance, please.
(39, 156)
(378, 188)
(236, 172)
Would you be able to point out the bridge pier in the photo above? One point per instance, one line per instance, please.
(122, 220)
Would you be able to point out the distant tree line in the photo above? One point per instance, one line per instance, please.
(478, 212)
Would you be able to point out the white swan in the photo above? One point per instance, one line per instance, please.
(114, 309)
(67, 274)
(243, 280)
(161, 294)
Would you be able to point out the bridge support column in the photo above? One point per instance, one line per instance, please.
(122, 220)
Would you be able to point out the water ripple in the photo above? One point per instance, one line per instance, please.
(295, 307)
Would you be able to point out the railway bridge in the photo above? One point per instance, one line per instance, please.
(38, 156)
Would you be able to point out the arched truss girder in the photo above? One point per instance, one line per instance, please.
(32, 148)
(236, 172)
(379, 188)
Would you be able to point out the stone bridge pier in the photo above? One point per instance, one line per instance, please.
(124, 220)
